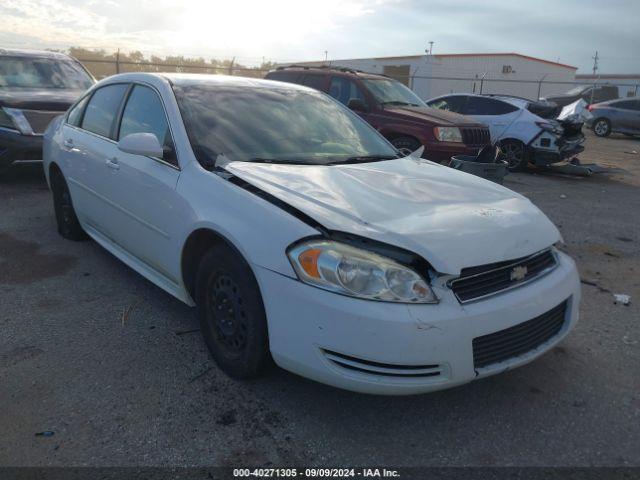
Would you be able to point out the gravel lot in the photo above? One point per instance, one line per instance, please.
(142, 390)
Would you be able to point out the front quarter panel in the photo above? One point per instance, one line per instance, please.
(260, 230)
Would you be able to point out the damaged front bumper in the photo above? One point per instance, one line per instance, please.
(393, 349)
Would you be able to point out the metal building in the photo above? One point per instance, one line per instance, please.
(503, 73)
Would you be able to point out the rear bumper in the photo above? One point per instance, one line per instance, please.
(16, 148)
(564, 148)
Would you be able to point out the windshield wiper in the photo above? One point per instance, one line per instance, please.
(365, 159)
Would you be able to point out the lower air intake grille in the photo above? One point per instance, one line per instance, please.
(511, 342)
(384, 369)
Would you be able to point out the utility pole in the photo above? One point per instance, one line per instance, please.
(595, 63)
(430, 47)
(118, 61)
(326, 54)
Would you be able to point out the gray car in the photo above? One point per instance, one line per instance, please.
(620, 116)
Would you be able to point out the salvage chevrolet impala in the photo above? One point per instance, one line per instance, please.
(302, 236)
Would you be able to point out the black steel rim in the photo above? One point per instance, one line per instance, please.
(228, 314)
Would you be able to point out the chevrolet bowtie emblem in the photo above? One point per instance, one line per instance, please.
(518, 273)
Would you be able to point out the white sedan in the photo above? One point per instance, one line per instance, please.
(523, 136)
(302, 236)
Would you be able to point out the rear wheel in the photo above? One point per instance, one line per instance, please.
(602, 127)
(231, 313)
(66, 219)
(514, 153)
(406, 145)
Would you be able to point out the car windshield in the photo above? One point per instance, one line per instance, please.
(391, 92)
(26, 72)
(278, 125)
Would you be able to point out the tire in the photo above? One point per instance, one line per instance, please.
(514, 152)
(231, 314)
(66, 218)
(406, 145)
(602, 127)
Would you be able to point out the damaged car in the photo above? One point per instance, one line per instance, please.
(303, 237)
(524, 137)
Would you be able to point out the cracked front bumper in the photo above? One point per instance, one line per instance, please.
(387, 348)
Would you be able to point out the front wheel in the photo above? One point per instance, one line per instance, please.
(514, 153)
(231, 313)
(602, 127)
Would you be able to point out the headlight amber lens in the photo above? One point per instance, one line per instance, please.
(359, 273)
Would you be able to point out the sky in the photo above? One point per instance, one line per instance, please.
(569, 31)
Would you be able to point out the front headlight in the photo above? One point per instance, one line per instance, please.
(19, 120)
(448, 134)
(358, 273)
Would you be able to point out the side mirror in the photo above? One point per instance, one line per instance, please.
(146, 144)
(357, 105)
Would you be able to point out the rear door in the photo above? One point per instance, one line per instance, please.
(627, 116)
(498, 115)
(149, 210)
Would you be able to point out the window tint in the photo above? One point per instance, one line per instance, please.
(75, 115)
(102, 109)
(451, 104)
(343, 90)
(23, 72)
(313, 81)
(488, 106)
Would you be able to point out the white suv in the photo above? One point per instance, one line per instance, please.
(300, 234)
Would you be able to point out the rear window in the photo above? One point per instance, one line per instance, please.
(28, 72)
(102, 109)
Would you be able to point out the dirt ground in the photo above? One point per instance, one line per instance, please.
(139, 388)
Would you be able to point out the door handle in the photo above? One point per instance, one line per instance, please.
(68, 144)
(113, 163)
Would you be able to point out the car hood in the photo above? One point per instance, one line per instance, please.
(433, 115)
(38, 99)
(452, 219)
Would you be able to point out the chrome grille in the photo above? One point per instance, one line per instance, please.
(476, 136)
(519, 339)
(384, 369)
(39, 119)
(478, 282)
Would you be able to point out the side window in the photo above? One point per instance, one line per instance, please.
(75, 114)
(343, 90)
(451, 104)
(313, 81)
(626, 105)
(488, 106)
(144, 113)
(103, 109)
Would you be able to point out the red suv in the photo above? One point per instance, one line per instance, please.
(394, 110)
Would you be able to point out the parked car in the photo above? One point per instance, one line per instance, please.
(589, 93)
(620, 116)
(522, 136)
(35, 87)
(301, 235)
(394, 110)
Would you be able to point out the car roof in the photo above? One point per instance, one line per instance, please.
(184, 79)
(334, 69)
(15, 52)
